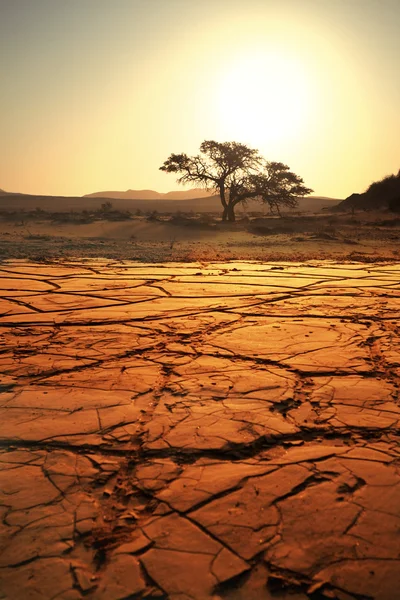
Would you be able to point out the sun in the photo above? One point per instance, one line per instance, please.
(263, 99)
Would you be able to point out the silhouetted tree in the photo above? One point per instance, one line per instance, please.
(107, 206)
(153, 216)
(238, 173)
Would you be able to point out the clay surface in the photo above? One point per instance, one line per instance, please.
(195, 432)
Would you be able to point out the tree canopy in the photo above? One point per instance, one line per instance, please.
(238, 173)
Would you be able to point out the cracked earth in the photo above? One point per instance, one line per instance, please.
(187, 431)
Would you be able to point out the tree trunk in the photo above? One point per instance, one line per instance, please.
(228, 213)
(223, 201)
(231, 213)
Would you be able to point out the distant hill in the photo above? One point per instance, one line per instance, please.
(151, 195)
(200, 196)
(208, 204)
(66, 203)
(315, 203)
(380, 195)
(29, 202)
(4, 193)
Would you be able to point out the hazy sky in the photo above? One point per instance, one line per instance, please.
(95, 94)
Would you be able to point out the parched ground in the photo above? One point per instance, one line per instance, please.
(191, 431)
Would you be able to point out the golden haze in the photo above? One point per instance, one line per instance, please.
(97, 99)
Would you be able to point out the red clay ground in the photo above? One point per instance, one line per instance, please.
(197, 432)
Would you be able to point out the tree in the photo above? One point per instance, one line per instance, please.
(106, 206)
(238, 173)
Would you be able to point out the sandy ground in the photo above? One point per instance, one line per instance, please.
(184, 431)
(330, 237)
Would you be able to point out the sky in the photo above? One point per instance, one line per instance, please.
(96, 94)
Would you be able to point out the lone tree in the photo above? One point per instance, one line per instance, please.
(237, 173)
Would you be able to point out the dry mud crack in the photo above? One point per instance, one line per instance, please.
(186, 431)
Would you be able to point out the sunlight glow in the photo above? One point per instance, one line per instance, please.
(264, 99)
(97, 94)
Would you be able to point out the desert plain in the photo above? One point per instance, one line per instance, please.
(189, 237)
(179, 423)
